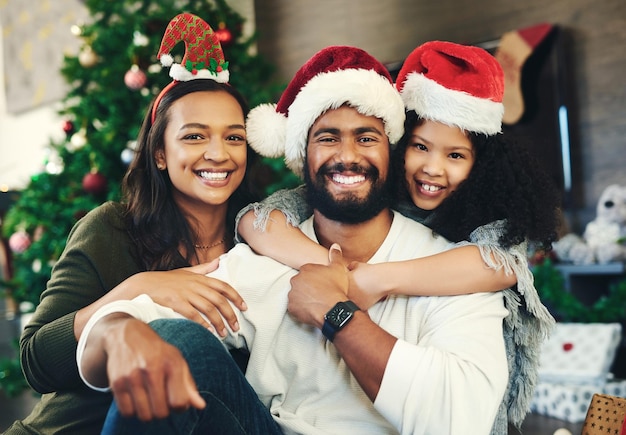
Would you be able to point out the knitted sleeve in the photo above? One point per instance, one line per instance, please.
(528, 324)
(291, 202)
(96, 258)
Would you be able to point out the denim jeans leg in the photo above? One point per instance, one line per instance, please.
(233, 407)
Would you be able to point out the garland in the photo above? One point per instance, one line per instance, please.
(566, 307)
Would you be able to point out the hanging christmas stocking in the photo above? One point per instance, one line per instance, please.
(514, 48)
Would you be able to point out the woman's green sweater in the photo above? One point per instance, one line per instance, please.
(98, 256)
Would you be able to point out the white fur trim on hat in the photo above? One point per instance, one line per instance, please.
(435, 102)
(265, 129)
(166, 59)
(365, 90)
(180, 73)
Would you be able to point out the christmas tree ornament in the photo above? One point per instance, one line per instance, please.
(54, 164)
(224, 35)
(139, 39)
(19, 242)
(155, 68)
(94, 183)
(36, 265)
(87, 57)
(77, 141)
(68, 127)
(512, 52)
(76, 30)
(135, 78)
(127, 156)
(39, 232)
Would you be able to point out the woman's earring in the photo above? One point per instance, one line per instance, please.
(160, 166)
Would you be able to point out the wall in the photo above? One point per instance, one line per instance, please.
(23, 139)
(290, 31)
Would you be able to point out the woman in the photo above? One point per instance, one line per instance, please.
(182, 192)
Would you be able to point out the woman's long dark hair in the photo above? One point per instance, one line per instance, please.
(505, 183)
(156, 224)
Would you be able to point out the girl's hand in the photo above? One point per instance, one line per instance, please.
(366, 284)
(189, 292)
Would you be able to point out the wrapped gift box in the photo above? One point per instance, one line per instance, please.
(570, 402)
(574, 365)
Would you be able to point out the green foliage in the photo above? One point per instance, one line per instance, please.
(567, 308)
(109, 115)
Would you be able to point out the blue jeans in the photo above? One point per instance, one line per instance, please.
(232, 406)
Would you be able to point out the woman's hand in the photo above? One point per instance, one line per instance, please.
(366, 284)
(189, 292)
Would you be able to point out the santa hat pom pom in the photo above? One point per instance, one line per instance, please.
(266, 130)
(166, 59)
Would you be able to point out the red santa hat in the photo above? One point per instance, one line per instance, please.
(203, 59)
(458, 85)
(335, 76)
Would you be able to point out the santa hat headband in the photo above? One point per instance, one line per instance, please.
(335, 76)
(203, 58)
(455, 84)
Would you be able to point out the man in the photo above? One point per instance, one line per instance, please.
(317, 363)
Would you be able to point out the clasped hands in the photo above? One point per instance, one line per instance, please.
(317, 288)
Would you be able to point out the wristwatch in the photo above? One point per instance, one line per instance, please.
(337, 318)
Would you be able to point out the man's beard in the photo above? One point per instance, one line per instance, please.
(349, 209)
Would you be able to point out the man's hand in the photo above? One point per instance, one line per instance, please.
(317, 288)
(149, 378)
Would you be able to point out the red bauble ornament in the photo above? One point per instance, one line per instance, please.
(224, 35)
(94, 183)
(135, 78)
(68, 127)
(19, 242)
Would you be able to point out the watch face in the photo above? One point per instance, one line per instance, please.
(339, 315)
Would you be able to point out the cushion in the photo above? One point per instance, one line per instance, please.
(580, 353)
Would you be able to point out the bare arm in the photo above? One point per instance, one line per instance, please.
(281, 241)
(457, 271)
(364, 346)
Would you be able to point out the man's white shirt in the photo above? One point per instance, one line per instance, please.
(446, 374)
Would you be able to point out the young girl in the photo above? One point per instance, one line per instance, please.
(460, 178)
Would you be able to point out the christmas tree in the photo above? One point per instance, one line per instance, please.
(112, 81)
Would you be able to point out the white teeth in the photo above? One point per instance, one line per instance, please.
(215, 176)
(353, 179)
(431, 188)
